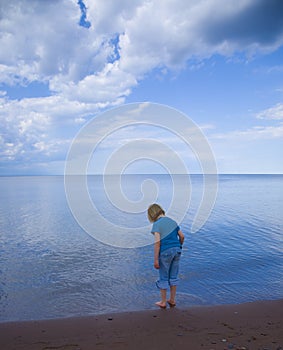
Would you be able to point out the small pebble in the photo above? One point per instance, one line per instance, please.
(110, 318)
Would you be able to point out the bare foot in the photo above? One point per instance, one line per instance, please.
(161, 304)
(171, 303)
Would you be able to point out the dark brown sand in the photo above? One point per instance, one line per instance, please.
(252, 326)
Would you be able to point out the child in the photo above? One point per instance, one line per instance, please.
(167, 252)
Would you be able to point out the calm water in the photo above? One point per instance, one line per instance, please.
(49, 267)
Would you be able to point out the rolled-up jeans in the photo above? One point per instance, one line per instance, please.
(169, 267)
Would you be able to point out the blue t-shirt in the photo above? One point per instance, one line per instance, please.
(168, 230)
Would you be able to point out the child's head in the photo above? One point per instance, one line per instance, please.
(154, 211)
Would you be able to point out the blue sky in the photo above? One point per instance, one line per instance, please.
(64, 62)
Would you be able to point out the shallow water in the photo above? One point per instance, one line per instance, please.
(50, 267)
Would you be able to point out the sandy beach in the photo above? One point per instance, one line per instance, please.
(250, 326)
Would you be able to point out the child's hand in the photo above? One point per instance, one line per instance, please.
(156, 264)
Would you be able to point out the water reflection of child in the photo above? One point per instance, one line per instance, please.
(168, 240)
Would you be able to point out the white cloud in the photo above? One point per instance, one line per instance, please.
(255, 133)
(33, 34)
(88, 69)
(40, 127)
(111, 85)
(275, 112)
(43, 41)
(250, 151)
(169, 33)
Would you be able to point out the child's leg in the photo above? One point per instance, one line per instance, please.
(163, 282)
(163, 295)
(173, 290)
(162, 302)
(173, 277)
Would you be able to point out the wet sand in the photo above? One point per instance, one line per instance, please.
(250, 326)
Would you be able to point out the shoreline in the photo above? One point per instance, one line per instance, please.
(253, 325)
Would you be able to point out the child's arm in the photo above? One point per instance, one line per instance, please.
(156, 249)
(181, 237)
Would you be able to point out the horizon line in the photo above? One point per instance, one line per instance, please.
(114, 174)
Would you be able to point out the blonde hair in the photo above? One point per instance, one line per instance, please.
(154, 211)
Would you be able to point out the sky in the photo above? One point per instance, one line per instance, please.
(65, 62)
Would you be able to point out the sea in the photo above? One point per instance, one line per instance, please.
(50, 267)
